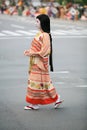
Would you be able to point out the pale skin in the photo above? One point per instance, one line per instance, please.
(26, 52)
(46, 39)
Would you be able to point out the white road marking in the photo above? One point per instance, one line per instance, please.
(29, 37)
(12, 37)
(1, 34)
(55, 33)
(17, 26)
(34, 31)
(61, 72)
(82, 86)
(78, 86)
(11, 33)
(24, 32)
(75, 32)
(79, 36)
(72, 32)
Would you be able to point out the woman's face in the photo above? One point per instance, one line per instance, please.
(38, 23)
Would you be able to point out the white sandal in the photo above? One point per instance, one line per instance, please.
(31, 107)
(57, 104)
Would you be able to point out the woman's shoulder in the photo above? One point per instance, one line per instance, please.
(45, 34)
(41, 36)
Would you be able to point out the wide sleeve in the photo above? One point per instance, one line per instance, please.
(41, 47)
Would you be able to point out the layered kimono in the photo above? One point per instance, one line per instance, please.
(40, 89)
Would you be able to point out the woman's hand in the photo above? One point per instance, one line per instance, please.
(26, 52)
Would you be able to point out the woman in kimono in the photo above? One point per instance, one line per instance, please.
(40, 90)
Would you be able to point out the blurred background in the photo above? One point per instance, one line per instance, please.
(61, 9)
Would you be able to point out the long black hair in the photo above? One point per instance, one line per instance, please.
(45, 26)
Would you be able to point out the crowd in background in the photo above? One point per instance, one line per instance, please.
(69, 11)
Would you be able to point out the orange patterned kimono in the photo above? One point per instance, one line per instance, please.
(40, 89)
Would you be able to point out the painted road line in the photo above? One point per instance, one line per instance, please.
(70, 32)
(82, 86)
(71, 36)
(34, 31)
(75, 32)
(2, 34)
(17, 26)
(11, 33)
(24, 32)
(57, 32)
(61, 72)
(70, 86)
(29, 37)
(16, 37)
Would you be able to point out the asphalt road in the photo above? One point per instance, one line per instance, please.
(69, 76)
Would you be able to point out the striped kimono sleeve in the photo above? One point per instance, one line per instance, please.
(40, 47)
